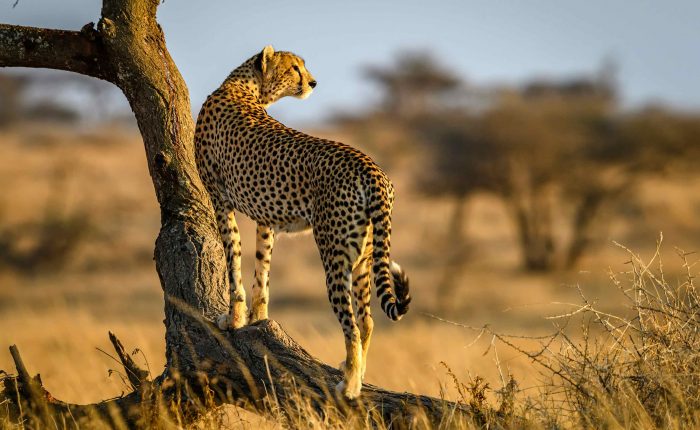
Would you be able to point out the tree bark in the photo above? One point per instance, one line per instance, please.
(127, 48)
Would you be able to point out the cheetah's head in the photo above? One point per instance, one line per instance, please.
(283, 74)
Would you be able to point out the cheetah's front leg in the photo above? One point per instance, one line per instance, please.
(231, 239)
(265, 239)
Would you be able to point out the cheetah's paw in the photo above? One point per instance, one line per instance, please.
(228, 322)
(350, 392)
(223, 322)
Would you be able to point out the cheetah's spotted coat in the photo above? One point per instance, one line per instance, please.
(288, 181)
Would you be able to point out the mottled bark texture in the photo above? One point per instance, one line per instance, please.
(205, 367)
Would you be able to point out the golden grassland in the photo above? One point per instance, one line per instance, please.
(60, 317)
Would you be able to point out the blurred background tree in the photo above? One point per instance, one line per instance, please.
(415, 85)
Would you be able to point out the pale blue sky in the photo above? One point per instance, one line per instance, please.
(657, 44)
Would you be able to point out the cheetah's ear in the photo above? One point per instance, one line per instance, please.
(264, 58)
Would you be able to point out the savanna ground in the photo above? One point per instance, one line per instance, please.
(94, 185)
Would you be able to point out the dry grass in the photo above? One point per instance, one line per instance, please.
(58, 318)
(635, 368)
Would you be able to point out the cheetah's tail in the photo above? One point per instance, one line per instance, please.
(390, 280)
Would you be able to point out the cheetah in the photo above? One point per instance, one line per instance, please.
(288, 182)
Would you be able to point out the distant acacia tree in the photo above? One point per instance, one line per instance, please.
(551, 156)
(556, 151)
(544, 152)
(556, 159)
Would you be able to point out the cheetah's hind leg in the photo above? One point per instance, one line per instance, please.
(339, 284)
(361, 291)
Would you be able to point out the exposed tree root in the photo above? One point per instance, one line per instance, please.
(259, 368)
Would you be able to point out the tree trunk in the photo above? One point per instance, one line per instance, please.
(127, 48)
(457, 250)
(584, 214)
(535, 234)
(531, 207)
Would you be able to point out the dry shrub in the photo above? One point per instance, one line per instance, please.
(639, 368)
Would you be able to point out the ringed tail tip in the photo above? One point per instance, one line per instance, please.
(403, 297)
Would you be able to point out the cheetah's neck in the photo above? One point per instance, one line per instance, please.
(244, 83)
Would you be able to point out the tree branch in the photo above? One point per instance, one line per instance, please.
(74, 51)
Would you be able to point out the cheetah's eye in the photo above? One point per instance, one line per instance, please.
(296, 69)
